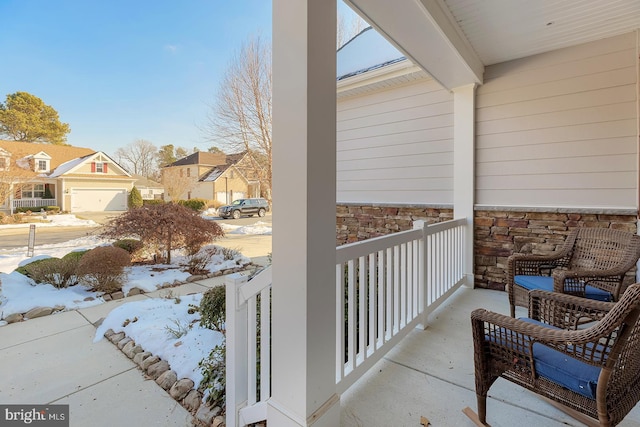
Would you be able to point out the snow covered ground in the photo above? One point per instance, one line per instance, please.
(164, 327)
(150, 323)
(60, 220)
(18, 294)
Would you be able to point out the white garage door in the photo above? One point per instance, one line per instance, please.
(94, 200)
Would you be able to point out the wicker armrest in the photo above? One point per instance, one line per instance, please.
(532, 265)
(516, 338)
(565, 311)
(574, 281)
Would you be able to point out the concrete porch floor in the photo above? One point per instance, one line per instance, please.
(430, 373)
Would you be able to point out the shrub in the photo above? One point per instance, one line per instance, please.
(198, 262)
(23, 269)
(59, 272)
(163, 228)
(213, 376)
(152, 202)
(230, 254)
(102, 268)
(75, 254)
(29, 211)
(197, 205)
(130, 245)
(135, 198)
(212, 309)
(214, 204)
(47, 193)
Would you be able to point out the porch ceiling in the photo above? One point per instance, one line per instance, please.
(454, 39)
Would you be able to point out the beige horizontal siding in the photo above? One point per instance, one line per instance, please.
(560, 129)
(396, 145)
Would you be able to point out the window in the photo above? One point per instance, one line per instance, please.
(188, 172)
(42, 165)
(31, 191)
(98, 167)
(181, 173)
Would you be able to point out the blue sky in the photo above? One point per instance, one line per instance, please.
(120, 70)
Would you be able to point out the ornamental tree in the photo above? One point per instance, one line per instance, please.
(163, 228)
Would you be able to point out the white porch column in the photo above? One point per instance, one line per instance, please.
(304, 230)
(464, 165)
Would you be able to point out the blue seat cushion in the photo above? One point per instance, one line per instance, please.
(545, 283)
(564, 370)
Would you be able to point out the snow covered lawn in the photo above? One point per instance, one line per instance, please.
(18, 294)
(164, 327)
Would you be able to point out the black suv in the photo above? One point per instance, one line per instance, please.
(241, 207)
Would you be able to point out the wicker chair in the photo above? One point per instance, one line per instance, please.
(593, 373)
(591, 264)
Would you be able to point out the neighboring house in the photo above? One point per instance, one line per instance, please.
(75, 179)
(213, 176)
(148, 188)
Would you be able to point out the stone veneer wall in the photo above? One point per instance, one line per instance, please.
(499, 233)
(356, 222)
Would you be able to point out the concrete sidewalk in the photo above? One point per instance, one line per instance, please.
(53, 360)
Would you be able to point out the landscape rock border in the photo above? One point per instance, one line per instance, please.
(181, 390)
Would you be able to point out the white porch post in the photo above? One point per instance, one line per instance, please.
(304, 243)
(464, 166)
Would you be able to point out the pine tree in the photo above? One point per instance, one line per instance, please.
(135, 198)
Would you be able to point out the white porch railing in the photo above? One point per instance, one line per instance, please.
(385, 287)
(248, 371)
(32, 203)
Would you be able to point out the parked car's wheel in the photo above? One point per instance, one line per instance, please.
(261, 212)
(236, 214)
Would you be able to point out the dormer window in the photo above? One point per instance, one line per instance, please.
(99, 167)
(42, 166)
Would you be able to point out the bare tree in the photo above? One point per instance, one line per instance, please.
(240, 119)
(12, 176)
(177, 184)
(138, 158)
(349, 26)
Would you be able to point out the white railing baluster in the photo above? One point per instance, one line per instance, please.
(381, 300)
(372, 303)
(265, 344)
(362, 309)
(252, 353)
(390, 301)
(340, 336)
(403, 285)
(351, 319)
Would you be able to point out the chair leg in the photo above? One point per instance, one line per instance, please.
(479, 419)
(482, 408)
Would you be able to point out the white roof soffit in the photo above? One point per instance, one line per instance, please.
(425, 32)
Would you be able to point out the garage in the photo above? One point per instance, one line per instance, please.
(93, 200)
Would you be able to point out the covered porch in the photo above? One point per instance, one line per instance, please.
(316, 381)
